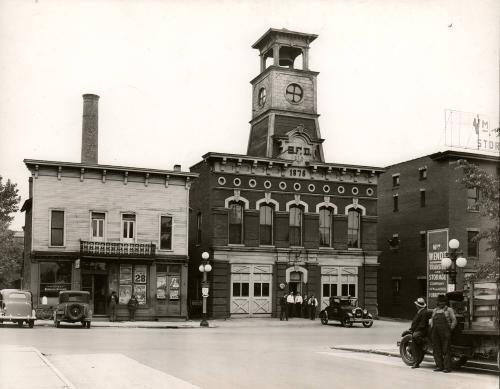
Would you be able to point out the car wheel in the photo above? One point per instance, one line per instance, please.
(31, 323)
(367, 324)
(346, 322)
(20, 323)
(324, 318)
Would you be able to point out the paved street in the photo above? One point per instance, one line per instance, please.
(236, 354)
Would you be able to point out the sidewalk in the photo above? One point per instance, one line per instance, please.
(195, 323)
(18, 360)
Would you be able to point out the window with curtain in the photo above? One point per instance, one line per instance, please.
(353, 229)
(295, 226)
(235, 223)
(266, 225)
(325, 227)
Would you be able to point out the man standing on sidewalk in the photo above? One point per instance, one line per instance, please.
(284, 308)
(313, 303)
(290, 303)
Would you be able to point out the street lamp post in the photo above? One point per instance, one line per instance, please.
(451, 261)
(205, 267)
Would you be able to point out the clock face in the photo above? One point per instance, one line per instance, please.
(262, 97)
(294, 93)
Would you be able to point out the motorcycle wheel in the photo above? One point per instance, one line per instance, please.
(406, 353)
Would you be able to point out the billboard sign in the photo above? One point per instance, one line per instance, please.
(437, 282)
(471, 131)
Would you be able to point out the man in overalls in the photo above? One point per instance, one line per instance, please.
(443, 321)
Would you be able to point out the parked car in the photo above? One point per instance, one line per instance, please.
(73, 307)
(17, 306)
(345, 310)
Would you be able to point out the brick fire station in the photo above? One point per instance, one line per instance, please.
(279, 218)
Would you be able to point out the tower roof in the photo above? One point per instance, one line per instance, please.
(283, 35)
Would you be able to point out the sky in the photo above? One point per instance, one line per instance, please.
(173, 76)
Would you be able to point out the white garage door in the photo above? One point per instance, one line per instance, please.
(251, 287)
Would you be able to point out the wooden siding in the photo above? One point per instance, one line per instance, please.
(78, 198)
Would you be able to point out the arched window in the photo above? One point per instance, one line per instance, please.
(235, 223)
(295, 226)
(325, 227)
(353, 229)
(266, 225)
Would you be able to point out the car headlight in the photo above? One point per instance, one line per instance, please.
(365, 311)
(354, 310)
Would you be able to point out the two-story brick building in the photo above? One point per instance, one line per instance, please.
(421, 196)
(279, 218)
(107, 228)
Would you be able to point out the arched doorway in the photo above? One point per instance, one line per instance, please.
(295, 285)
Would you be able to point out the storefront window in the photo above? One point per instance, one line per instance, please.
(54, 277)
(133, 280)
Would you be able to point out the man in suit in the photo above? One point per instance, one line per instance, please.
(418, 329)
(284, 308)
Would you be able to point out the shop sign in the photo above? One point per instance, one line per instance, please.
(140, 293)
(437, 283)
(140, 274)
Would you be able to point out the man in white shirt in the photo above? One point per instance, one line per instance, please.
(313, 303)
(290, 301)
(298, 304)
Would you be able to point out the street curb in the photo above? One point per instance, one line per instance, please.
(62, 377)
(427, 358)
(104, 324)
(357, 350)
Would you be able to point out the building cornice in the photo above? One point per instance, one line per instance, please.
(240, 158)
(32, 163)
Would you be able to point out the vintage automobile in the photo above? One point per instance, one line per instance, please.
(73, 307)
(345, 309)
(17, 306)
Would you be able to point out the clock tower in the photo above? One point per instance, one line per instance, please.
(284, 121)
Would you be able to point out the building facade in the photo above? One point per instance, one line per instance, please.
(417, 197)
(105, 228)
(279, 218)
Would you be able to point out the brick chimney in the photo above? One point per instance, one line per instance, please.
(90, 129)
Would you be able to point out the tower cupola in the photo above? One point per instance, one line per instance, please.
(284, 104)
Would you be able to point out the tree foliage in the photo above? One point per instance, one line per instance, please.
(488, 202)
(11, 251)
(9, 201)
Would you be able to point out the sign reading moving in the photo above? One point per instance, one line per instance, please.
(437, 247)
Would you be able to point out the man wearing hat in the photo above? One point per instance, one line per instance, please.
(418, 329)
(443, 321)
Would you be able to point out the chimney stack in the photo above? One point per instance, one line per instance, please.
(89, 129)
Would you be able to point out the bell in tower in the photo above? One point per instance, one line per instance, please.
(284, 105)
